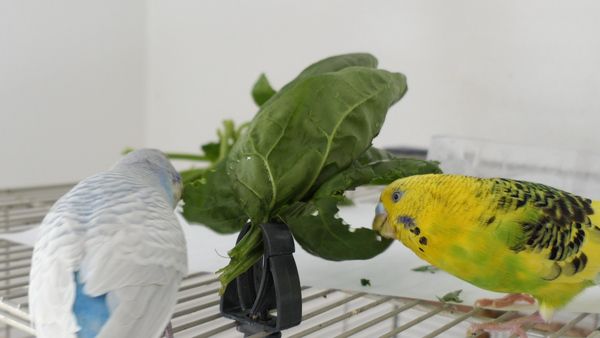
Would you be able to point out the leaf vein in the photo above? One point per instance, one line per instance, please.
(332, 136)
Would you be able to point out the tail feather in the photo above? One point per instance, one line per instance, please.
(546, 312)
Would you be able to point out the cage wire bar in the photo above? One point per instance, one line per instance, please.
(326, 312)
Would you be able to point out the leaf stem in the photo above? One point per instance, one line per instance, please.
(243, 256)
(240, 130)
(238, 266)
(225, 136)
(248, 242)
(191, 157)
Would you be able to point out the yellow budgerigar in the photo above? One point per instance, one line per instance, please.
(498, 234)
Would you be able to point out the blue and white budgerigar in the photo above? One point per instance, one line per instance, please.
(111, 254)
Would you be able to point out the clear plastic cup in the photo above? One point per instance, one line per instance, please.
(574, 171)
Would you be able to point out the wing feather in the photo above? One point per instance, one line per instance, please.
(141, 312)
(552, 223)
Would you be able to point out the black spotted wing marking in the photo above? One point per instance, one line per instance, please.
(559, 230)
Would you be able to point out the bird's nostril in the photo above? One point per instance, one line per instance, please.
(380, 210)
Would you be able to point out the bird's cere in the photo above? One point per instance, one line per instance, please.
(381, 223)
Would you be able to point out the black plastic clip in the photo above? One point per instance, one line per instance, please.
(271, 284)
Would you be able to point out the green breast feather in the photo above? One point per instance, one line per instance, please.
(554, 223)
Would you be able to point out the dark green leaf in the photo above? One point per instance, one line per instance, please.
(387, 171)
(375, 167)
(339, 62)
(426, 268)
(313, 222)
(365, 282)
(317, 229)
(332, 64)
(211, 201)
(186, 157)
(375, 154)
(453, 296)
(303, 137)
(211, 151)
(190, 175)
(245, 254)
(308, 133)
(344, 201)
(262, 90)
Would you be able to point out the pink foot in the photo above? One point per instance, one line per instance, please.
(514, 326)
(168, 331)
(505, 301)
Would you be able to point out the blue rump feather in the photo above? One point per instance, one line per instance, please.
(91, 312)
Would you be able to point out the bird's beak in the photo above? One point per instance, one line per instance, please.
(381, 224)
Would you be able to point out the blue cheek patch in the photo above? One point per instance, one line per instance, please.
(166, 184)
(91, 312)
(408, 222)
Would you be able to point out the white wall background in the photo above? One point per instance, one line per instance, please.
(522, 71)
(71, 87)
(74, 88)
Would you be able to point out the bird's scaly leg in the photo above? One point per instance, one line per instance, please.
(505, 301)
(513, 326)
(168, 331)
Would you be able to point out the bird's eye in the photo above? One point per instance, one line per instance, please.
(177, 178)
(396, 195)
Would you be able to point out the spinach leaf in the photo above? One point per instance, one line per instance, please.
(309, 142)
(314, 223)
(374, 154)
(317, 229)
(211, 201)
(262, 90)
(332, 64)
(208, 195)
(426, 268)
(211, 151)
(191, 175)
(339, 62)
(453, 296)
(375, 166)
(308, 133)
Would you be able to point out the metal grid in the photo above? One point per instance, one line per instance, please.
(19, 208)
(326, 312)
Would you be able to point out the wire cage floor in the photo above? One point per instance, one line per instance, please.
(326, 312)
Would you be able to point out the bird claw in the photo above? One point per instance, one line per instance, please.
(513, 326)
(505, 301)
(168, 331)
(519, 332)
